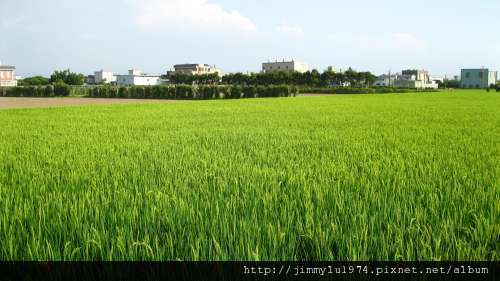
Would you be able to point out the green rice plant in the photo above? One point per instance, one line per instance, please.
(350, 177)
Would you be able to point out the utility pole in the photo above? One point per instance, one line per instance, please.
(390, 77)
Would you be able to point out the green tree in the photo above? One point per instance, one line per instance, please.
(34, 81)
(68, 77)
(351, 77)
(455, 84)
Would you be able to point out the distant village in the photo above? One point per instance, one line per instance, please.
(410, 78)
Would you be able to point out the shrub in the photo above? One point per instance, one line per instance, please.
(48, 91)
(350, 90)
(155, 92)
(61, 89)
(236, 92)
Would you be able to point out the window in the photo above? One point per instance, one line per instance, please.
(467, 75)
(480, 75)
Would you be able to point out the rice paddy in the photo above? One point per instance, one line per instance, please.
(354, 177)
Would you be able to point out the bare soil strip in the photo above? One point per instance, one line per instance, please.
(9, 103)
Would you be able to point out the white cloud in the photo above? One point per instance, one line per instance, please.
(156, 13)
(290, 31)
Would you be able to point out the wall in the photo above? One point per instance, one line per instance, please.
(8, 78)
(104, 77)
(477, 78)
(285, 66)
(492, 79)
(126, 80)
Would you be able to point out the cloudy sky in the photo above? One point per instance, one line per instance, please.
(39, 36)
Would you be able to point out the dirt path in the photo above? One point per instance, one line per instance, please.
(7, 103)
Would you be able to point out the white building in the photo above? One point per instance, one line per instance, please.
(104, 77)
(437, 79)
(196, 69)
(138, 78)
(413, 78)
(287, 66)
(8, 76)
(386, 80)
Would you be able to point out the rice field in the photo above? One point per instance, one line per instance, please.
(354, 177)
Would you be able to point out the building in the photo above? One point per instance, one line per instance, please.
(90, 80)
(413, 78)
(478, 78)
(386, 80)
(286, 66)
(8, 76)
(438, 79)
(196, 69)
(138, 78)
(104, 77)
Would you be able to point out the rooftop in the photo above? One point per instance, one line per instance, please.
(7, 67)
(190, 65)
(138, 75)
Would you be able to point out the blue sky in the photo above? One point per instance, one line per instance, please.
(39, 36)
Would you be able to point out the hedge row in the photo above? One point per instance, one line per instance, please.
(375, 90)
(193, 92)
(56, 90)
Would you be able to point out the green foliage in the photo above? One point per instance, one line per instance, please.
(350, 90)
(67, 77)
(61, 89)
(393, 177)
(310, 78)
(188, 92)
(58, 89)
(182, 78)
(34, 81)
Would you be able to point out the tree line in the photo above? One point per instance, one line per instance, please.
(310, 78)
(59, 76)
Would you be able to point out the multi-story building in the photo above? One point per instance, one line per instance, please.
(90, 80)
(196, 69)
(138, 78)
(286, 66)
(386, 80)
(478, 78)
(104, 77)
(417, 75)
(8, 76)
(415, 79)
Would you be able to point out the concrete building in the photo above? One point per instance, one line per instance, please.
(196, 69)
(287, 66)
(437, 79)
(104, 77)
(8, 76)
(138, 78)
(478, 78)
(413, 78)
(386, 80)
(90, 80)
